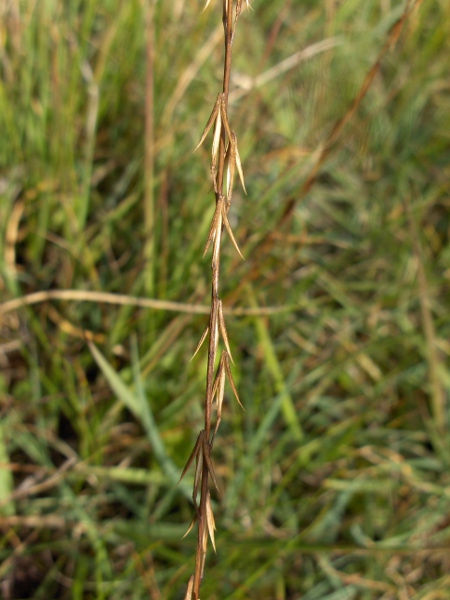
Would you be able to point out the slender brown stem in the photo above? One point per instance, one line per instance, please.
(213, 322)
(149, 208)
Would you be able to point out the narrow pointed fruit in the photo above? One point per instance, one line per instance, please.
(211, 120)
(219, 382)
(223, 330)
(190, 589)
(238, 161)
(199, 345)
(223, 110)
(216, 139)
(214, 227)
(204, 544)
(193, 454)
(217, 238)
(191, 525)
(230, 231)
(215, 149)
(231, 380)
(210, 521)
(218, 392)
(208, 462)
(198, 475)
(230, 163)
(214, 325)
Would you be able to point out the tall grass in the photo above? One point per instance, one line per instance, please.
(335, 477)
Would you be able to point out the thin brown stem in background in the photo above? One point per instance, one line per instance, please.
(149, 201)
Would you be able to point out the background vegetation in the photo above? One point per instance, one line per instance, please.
(336, 478)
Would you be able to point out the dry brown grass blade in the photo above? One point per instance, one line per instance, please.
(149, 200)
(247, 84)
(100, 297)
(125, 300)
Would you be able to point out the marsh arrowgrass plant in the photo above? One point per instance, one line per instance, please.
(225, 162)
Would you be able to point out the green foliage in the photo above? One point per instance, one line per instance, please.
(336, 476)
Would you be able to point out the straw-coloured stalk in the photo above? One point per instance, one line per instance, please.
(225, 160)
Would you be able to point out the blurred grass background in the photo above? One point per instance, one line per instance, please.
(336, 478)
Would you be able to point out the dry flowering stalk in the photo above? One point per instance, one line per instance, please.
(225, 161)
